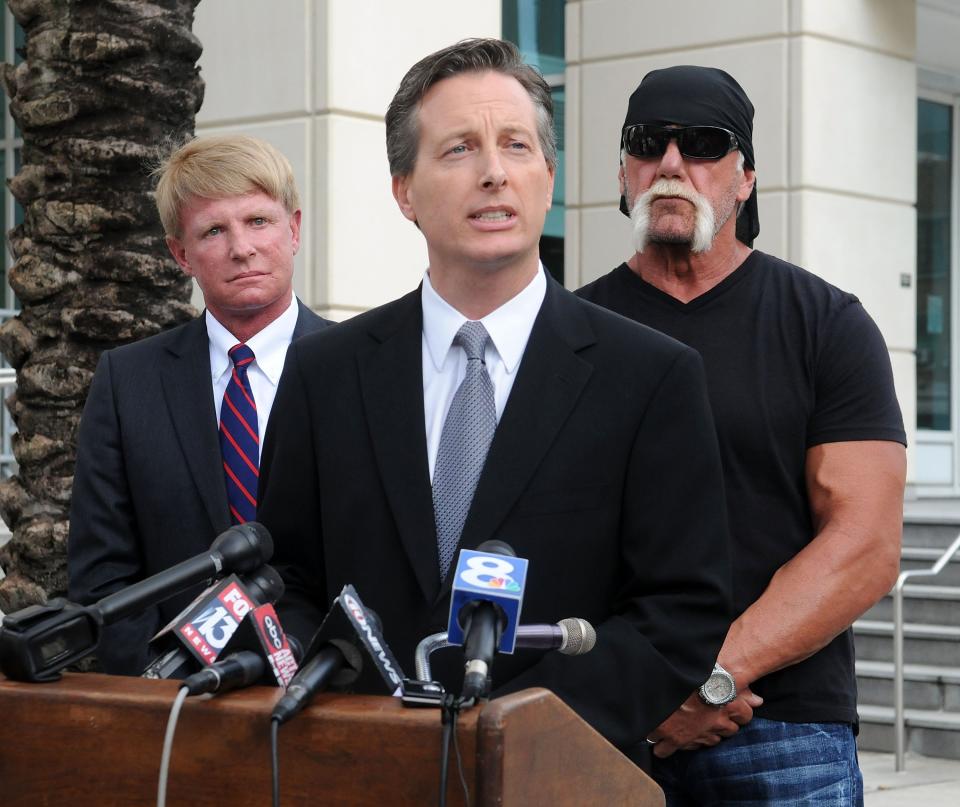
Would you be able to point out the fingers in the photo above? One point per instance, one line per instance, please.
(664, 749)
(740, 710)
(740, 713)
(751, 697)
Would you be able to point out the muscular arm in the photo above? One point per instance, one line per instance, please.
(856, 501)
(855, 491)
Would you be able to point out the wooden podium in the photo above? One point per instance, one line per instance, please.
(97, 739)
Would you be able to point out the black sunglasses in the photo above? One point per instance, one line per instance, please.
(699, 142)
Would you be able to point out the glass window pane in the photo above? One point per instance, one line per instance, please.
(537, 28)
(934, 294)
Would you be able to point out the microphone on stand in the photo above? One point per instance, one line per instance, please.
(40, 640)
(486, 597)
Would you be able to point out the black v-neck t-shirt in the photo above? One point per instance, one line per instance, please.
(791, 362)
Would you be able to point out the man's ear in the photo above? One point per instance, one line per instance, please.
(179, 254)
(746, 184)
(404, 196)
(295, 219)
(621, 177)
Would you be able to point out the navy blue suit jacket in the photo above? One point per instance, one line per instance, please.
(148, 488)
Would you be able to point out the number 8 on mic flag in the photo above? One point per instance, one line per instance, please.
(498, 579)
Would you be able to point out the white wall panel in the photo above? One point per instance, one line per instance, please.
(888, 25)
(864, 246)
(624, 27)
(373, 254)
(255, 58)
(856, 121)
(369, 46)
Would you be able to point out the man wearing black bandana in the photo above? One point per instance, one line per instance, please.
(812, 442)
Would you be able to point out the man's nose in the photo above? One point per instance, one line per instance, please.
(671, 163)
(241, 247)
(494, 176)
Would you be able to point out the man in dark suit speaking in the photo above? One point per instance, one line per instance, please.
(492, 403)
(156, 480)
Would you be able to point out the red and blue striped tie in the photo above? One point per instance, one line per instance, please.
(239, 438)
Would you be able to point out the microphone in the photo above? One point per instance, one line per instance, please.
(198, 634)
(350, 633)
(571, 636)
(40, 640)
(485, 603)
(242, 548)
(238, 670)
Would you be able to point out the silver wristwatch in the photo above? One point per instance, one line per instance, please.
(719, 688)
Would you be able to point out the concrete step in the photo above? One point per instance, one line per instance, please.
(929, 732)
(939, 605)
(937, 645)
(937, 534)
(919, 557)
(925, 686)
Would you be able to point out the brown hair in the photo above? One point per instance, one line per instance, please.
(466, 56)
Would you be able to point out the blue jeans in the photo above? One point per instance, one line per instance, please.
(767, 763)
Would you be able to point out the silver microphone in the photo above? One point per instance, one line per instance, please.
(571, 636)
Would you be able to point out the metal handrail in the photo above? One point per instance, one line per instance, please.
(899, 728)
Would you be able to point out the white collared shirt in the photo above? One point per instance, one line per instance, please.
(269, 348)
(444, 366)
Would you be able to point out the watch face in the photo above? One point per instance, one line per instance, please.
(718, 689)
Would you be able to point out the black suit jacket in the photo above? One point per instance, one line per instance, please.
(148, 488)
(603, 472)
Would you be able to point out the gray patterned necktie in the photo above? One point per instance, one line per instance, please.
(464, 441)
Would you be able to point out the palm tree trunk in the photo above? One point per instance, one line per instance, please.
(102, 85)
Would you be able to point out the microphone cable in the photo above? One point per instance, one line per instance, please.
(449, 711)
(168, 745)
(275, 760)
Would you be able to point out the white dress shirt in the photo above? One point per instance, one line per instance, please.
(445, 365)
(269, 348)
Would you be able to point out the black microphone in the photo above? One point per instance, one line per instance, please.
(350, 633)
(241, 669)
(40, 640)
(242, 548)
(314, 677)
(238, 670)
(175, 655)
(483, 621)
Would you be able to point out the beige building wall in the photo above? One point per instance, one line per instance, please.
(314, 77)
(834, 86)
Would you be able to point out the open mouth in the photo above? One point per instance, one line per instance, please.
(493, 215)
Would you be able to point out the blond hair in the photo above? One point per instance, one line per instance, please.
(218, 166)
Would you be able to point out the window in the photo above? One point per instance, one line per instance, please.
(537, 28)
(11, 214)
(935, 289)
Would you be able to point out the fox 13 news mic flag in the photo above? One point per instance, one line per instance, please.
(228, 620)
(173, 650)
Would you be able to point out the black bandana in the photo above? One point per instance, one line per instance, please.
(688, 95)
